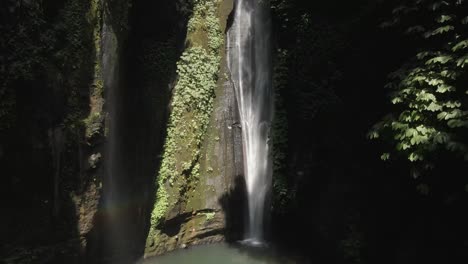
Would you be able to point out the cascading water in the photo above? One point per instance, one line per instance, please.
(114, 233)
(249, 60)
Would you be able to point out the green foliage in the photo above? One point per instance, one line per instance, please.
(209, 216)
(192, 105)
(429, 92)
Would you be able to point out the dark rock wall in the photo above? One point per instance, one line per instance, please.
(53, 135)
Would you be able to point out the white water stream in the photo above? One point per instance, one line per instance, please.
(249, 60)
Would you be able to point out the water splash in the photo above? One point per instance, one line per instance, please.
(249, 60)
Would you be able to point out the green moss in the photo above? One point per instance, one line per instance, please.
(95, 15)
(192, 106)
(209, 216)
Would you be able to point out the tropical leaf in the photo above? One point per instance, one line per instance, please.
(415, 157)
(443, 29)
(462, 61)
(430, 113)
(455, 123)
(460, 45)
(385, 156)
(439, 59)
(444, 18)
(437, 5)
(434, 107)
(464, 21)
(443, 88)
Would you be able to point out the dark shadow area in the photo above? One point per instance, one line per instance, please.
(348, 206)
(43, 147)
(234, 205)
(156, 41)
(139, 111)
(336, 69)
(173, 225)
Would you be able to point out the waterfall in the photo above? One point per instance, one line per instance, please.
(249, 61)
(113, 230)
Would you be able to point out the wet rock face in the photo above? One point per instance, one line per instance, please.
(214, 212)
(206, 212)
(52, 149)
(188, 229)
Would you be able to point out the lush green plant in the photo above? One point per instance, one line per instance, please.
(192, 105)
(209, 216)
(429, 92)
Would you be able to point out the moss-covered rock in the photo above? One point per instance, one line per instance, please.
(193, 179)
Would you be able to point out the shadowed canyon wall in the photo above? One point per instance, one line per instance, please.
(120, 135)
(87, 98)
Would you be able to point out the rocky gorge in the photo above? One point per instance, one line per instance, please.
(122, 135)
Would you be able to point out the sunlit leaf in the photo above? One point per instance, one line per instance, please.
(373, 134)
(462, 61)
(452, 104)
(437, 5)
(443, 88)
(464, 21)
(455, 123)
(415, 157)
(385, 156)
(441, 138)
(444, 18)
(434, 81)
(396, 100)
(460, 45)
(442, 115)
(439, 30)
(439, 59)
(433, 107)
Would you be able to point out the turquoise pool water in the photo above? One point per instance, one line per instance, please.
(221, 254)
